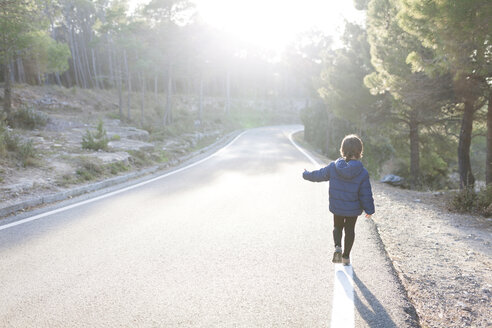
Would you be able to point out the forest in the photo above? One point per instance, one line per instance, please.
(414, 80)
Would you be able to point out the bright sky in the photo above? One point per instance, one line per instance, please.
(273, 24)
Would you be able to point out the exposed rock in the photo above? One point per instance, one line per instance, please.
(108, 158)
(129, 144)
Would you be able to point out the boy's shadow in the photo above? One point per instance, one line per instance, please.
(374, 313)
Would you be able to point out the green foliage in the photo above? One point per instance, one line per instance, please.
(478, 159)
(464, 200)
(469, 201)
(316, 127)
(13, 147)
(247, 119)
(18, 19)
(117, 167)
(458, 32)
(96, 141)
(140, 158)
(26, 153)
(343, 78)
(437, 160)
(325, 132)
(163, 157)
(377, 150)
(49, 55)
(58, 55)
(27, 118)
(89, 169)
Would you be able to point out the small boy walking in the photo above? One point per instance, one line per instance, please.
(349, 193)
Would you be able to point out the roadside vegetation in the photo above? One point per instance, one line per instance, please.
(413, 81)
(418, 91)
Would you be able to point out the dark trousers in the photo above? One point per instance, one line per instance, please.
(346, 223)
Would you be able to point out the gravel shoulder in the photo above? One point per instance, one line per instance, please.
(443, 259)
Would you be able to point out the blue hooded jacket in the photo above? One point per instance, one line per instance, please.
(350, 190)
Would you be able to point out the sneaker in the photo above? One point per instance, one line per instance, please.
(346, 260)
(337, 256)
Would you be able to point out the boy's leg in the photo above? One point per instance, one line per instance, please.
(349, 227)
(337, 229)
(337, 238)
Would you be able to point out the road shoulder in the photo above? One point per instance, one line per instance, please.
(443, 259)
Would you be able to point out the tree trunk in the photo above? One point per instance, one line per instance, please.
(82, 71)
(110, 61)
(7, 97)
(129, 83)
(120, 86)
(74, 55)
(200, 105)
(168, 117)
(20, 70)
(40, 80)
(94, 68)
(414, 152)
(87, 69)
(58, 80)
(142, 106)
(488, 165)
(464, 166)
(155, 87)
(228, 92)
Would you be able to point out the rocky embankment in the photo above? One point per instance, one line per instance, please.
(61, 164)
(443, 259)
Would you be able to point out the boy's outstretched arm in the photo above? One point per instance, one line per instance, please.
(318, 175)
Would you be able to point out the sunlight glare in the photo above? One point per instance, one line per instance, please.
(272, 24)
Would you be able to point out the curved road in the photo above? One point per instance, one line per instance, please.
(238, 240)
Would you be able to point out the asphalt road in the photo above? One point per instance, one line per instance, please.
(238, 240)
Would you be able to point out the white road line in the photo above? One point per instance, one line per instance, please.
(42, 215)
(342, 313)
(342, 310)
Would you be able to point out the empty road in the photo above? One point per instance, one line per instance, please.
(237, 240)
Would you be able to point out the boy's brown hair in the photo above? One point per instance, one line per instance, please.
(352, 147)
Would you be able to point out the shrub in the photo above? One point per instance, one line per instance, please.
(22, 150)
(115, 168)
(464, 200)
(140, 158)
(26, 153)
(469, 201)
(484, 201)
(27, 118)
(89, 170)
(96, 141)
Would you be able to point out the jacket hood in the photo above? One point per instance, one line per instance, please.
(348, 170)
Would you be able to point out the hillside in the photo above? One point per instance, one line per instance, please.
(43, 153)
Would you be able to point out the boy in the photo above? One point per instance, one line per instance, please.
(349, 193)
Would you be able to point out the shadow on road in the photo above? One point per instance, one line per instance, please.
(368, 306)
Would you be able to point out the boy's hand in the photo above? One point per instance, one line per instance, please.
(368, 216)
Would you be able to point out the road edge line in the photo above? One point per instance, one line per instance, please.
(112, 193)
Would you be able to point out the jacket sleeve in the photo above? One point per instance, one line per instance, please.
(365, 196)
(317, 176)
